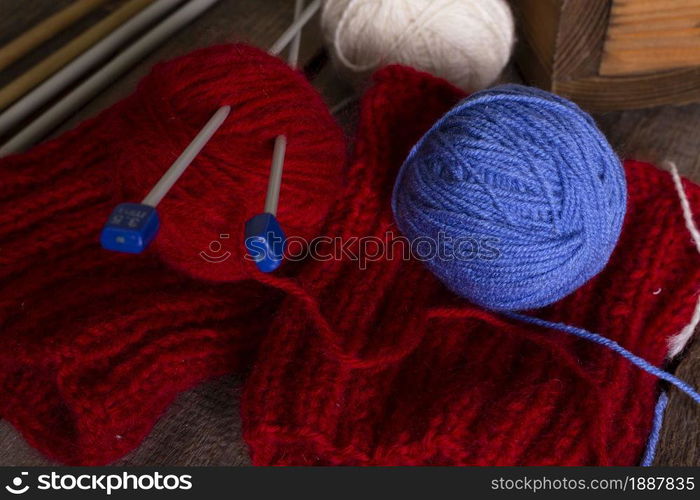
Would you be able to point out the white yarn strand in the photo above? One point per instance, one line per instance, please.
(678, 342)
(467, 42)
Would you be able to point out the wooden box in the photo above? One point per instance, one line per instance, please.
(611, 54)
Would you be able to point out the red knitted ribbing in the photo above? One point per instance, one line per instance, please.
(94, 345)
(385, 366)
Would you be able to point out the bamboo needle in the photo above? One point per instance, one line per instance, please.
(27, 81)
(45, 30)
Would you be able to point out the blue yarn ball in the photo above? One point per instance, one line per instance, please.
(521, 194)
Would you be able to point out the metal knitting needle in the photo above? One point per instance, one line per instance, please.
(264, 237)
(293, 57)
(72, 72)
(188, 155)
(104, 76)
(275, 180)
(132, 226)
(294, 29)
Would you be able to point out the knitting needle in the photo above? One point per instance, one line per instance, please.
(189, 154)
(54, 85)
(132, 226)
(264, 237)
(293, 57)
(275, 181)
(27, 81)
(45, 30)
(291, 32)
(106, 75)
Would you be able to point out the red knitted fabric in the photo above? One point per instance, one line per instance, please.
(385, 366)
(375, 366)
(94, 345)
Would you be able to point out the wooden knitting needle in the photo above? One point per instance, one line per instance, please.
(103, 77)
(45, 30)
(26, 82)
(57, 83)
(132, 226)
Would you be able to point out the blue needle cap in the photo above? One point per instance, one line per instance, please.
(264, 240)
(130, 228)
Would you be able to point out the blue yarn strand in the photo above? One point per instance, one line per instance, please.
(655, 435)
(613, 346)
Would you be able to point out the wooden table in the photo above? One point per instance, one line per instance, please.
(203, 427)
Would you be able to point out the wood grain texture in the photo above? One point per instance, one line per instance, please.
(597, 93)
(643, 37)
(203, 427)
(580, 38)
(575, 65)
(537, 21)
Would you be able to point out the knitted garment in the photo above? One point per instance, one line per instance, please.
(375, 366)
(95, 345)
(384, 366)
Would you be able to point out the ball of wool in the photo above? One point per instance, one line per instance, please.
(522, 193)
(203, 216)
(467, 42)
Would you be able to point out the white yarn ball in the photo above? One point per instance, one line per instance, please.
(467, 42)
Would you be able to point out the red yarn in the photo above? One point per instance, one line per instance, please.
(386, 367)
(94, 345)
(227, 183)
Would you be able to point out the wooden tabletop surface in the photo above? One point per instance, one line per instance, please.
(202, 427)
